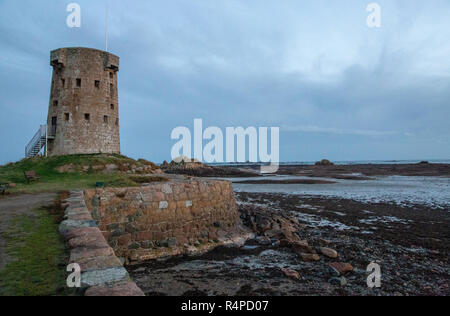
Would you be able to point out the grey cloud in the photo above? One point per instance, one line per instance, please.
(340, 89)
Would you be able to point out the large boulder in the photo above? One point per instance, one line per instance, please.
(324, 162)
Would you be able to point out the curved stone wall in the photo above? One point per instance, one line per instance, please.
(165, 218)
(102, 273)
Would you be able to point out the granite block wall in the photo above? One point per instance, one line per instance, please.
(164, 218)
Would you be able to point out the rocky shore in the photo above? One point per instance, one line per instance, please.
(362, 171)
(315, 246)
(197, 169)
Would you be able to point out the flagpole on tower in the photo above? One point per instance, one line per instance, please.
(106, 28)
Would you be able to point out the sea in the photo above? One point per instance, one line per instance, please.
(433, 192)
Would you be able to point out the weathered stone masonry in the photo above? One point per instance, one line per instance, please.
(83, 115)
(164, 218)
(102, 273)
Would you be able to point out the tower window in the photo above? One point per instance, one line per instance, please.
(63, 82)
(66, 116)
(97, 84)
(87, 116)
(117, 122)
(105, 119)
(79, 83)
(55, 103)
(112, 106)
(111, 88)
(53, 129)
(111, 75)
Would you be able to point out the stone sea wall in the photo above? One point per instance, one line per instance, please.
(102, 273)
(159, 219)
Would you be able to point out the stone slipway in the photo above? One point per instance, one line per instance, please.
(102, 273)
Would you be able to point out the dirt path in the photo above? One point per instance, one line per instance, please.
(18, 205)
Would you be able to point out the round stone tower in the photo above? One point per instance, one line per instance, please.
(83, 115)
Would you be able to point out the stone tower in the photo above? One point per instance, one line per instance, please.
(83, 115)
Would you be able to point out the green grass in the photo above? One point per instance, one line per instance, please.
(83, 175)
(39, 258)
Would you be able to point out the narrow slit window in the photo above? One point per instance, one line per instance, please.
(87, 116)
(78, 83)
(117, 122)
(97, 84)
(105, 119)
(111, 88)
(63, 82)
(112, 106)
(66, 116)
(111, 75)
(55, 103)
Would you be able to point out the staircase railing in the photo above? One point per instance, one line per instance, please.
(37, 138)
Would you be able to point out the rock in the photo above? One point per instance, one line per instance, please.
(307, 257)
(131, 228)
(68, 225)
(100, 263)
(117, 233)
(324, 162)
(93, 239)
(167, 189)
(134, 245)
(328, 252)
(163, 205)
(71, 211)
(342, 281)
(96, 214)
(95, 201)
(172, 242)
(333, 272)
(291, 274)
(70, 168)
(120, 289)
(101, 277)
(111, 168)
(341, 268)
(263, 240)
(325, 241)
(79, 232)
(263, 225)
(162, 243)
(79, 254)
(147, 244)
(302, 247)
(80, 217)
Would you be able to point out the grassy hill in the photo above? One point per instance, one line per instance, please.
(78, 172)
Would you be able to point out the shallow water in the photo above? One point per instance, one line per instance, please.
(430, 191)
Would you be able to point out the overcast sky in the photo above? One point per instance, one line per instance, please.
(336, 88)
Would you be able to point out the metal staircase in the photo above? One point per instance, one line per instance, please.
(38, 142)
